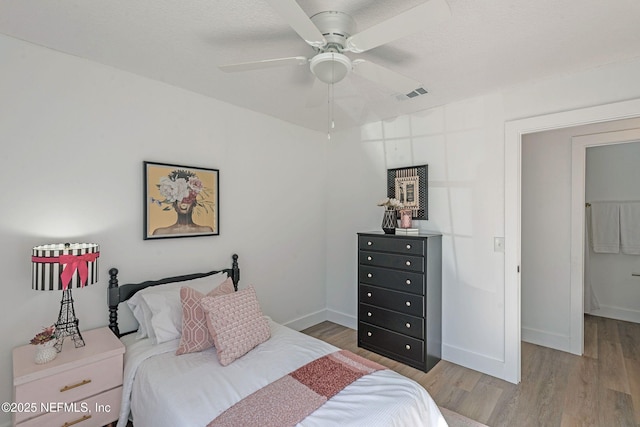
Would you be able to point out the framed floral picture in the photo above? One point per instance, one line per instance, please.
(180, 201)
(409, 186)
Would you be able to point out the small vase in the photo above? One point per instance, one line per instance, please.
(389, 221)
(46, 352)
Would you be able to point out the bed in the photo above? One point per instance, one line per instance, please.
(276, 382)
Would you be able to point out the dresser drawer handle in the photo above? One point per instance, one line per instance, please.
(408, 262)
(369, 275)
(408, 347)
(369, 243)
(369, 334)
(408, 303)
(79, 420)
(408, 325)
(408, 246)
(408, 282)
(369, 313)
(369, 294)
(72, 386)
(369, 258)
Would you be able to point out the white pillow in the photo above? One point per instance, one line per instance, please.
(142, 314)
(160, 310)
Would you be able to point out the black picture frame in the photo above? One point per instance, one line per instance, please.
(409, 186)
(180, 201)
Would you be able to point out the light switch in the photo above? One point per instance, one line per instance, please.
(498, 244)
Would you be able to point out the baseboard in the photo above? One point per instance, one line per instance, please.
(617, 313)
(546, 339)
(307, 321)
(346, 320)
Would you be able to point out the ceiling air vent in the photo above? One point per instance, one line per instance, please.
(413, 94)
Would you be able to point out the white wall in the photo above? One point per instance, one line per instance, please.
(612, 173)
(74, 135)
(464, 145)
(546, 230)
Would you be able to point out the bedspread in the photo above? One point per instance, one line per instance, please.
(165, 390)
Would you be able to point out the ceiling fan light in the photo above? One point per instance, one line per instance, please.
(330, 67)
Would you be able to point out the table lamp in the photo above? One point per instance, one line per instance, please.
(61, 267)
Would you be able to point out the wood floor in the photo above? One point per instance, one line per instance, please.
(601, 388)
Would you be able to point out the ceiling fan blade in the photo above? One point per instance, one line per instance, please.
(412, 21)
(267, 63)
(392, 80)
(299, 21)
(318, 94)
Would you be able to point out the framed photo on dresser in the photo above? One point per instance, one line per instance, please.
(409, 186)
(180, 201)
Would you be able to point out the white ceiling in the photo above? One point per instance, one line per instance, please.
(485, 45)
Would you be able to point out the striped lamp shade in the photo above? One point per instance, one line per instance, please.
(63, 266)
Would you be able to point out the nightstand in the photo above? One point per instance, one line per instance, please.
(81, 386)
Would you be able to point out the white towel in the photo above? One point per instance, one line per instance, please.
(605, 227)
(630, 228)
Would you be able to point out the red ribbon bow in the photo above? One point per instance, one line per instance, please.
(72, 263)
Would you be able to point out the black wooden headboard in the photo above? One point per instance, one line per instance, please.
(120, 293)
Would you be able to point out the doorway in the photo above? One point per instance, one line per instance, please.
(514, 131)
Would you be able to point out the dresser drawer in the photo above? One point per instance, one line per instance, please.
(392, 342)
(95, 411)
(402, 262)
(392, 244)
(405, 281)
(398, 322)
(72, 385)
(397, 301)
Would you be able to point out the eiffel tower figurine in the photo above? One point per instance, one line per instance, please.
(67, 324)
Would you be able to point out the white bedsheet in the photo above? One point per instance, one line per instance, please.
(163, 389)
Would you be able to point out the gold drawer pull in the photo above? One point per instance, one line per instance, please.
(369, 334)
(408, 282)
(69, 387)
(368, 258)
(369, 294)
(369, 275)
(408, 325)
(408, 246)
(79, 420)
(369, 313)
(369, 243)
(408, 303)
(408, 262)
(408, 347)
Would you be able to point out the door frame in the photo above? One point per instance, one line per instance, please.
(514, 130)
(579, 145)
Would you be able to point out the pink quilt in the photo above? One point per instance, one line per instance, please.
(288, 400)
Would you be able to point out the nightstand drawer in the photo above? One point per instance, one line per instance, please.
(405, 281)
(392, 320)
(95, 411)
(393, 300)
(401, 262)
(391, 244)
(392, 342)
(72, 385)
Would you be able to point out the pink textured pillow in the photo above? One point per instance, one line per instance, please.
(195, 333)
(236, 323)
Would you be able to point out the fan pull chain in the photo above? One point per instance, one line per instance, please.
(330, 123)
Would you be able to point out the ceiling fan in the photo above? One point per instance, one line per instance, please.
(331, 34)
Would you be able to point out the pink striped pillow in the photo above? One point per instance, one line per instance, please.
(236, 323)
(195, 333)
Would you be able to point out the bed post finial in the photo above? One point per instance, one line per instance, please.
(113, 297)
(236, 271)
